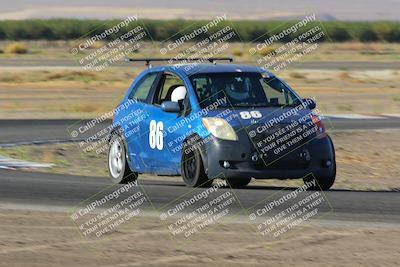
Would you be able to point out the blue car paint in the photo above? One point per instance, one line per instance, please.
(166, 161)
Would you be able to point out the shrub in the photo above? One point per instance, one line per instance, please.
(162, 30)
(368, 35)
(297, 75)
(344, 76)
(388, 31)
(266, 50)
(16, 48)
(339, 35)
(237, 52)
(2, 34)
(394, 36)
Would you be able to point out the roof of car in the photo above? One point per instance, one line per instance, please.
(190, 69)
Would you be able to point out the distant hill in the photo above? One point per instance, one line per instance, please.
(353, 10)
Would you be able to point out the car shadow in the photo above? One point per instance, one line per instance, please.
(263, 187)
(291, 188)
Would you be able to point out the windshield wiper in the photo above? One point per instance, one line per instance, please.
(248, 105)
(268, 105)
(241, 105)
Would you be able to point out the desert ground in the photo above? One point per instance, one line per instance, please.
(43, 238)
(29, 90)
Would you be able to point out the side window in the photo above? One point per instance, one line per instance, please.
(143, 88)
(168, 84)
(202, 87)
(276, 92)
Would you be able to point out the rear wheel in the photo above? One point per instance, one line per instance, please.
(117, 165)
(238, 182)
(192, 167)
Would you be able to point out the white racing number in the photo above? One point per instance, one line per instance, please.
(254, 114)
(156, 138)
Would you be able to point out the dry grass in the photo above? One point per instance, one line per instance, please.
(16, 48)
(366, 92)
(83, 94)
(344, 76)
(61, 93)
(56, 100)
(296, 75)
(351, 51)
(266, 51)
(35, 76)
(72, 76)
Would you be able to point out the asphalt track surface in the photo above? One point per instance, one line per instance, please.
(44, 189)
(55, 190)
(59, 130)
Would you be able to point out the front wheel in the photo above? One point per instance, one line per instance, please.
(238, 182)
(192, 167)
(324, 182)
(117, 166)
(321, 183)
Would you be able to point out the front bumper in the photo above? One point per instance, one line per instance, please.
(312, 156)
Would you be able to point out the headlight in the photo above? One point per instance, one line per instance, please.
(220, 128)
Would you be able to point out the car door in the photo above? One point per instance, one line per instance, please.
(136, 127)
(167, 130)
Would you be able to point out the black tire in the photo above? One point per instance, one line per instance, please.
(192, 168)
(324, 182)
(238, 182)
(118, 167)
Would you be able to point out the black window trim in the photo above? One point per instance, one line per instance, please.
(151, 92)
(158, 87)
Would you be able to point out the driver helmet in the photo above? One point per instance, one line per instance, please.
(178, 94)
(239, 89)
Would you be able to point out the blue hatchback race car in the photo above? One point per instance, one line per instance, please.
(207, 121)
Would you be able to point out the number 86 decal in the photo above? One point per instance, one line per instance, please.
(156, 138)
(255, 114)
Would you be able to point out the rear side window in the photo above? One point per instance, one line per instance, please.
(168, 84)
(143, 88)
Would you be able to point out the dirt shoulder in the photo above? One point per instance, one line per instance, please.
(34, 238)
(66, 93)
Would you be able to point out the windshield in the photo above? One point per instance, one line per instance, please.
(242, 90)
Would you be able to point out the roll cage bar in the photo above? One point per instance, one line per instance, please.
(149, 60)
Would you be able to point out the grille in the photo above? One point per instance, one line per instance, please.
(280, 148)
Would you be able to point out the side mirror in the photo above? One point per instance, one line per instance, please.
(170, 106)
(309, 103)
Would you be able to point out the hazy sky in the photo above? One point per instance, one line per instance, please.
(235, 9)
